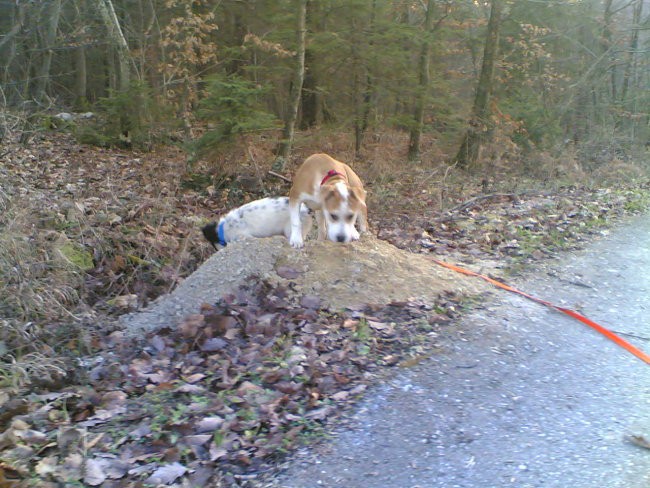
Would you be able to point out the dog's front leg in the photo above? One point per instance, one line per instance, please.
(296, 226)
(363, 220)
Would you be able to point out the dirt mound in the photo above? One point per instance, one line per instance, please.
(369, 271)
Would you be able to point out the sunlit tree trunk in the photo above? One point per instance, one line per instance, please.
(468, 154)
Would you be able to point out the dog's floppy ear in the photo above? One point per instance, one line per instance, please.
(210, 233)
(357, 193)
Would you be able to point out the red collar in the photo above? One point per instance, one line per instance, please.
(330, 174)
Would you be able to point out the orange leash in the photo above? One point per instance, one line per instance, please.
(571, 313)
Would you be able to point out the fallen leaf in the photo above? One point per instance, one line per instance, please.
(638, 440)
(94, 474)
(30, 436)
(197, 440)
(340, 396)
(113, 400)
(46, 466)
(191, 325)
(378, 325)
(71, 468)
(213, 344)
(208, 424)
(311, 301)
(194, 377)
(320, 413)
(166, 475)
(188, 388)
(287, 272)
(69, 438)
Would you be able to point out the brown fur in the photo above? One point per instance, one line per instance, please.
(327, 197)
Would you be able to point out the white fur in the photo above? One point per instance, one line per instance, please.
(263, 218)
(342, 229)
(297, 233)
(343, 190)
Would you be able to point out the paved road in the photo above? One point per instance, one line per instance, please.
(520, 396)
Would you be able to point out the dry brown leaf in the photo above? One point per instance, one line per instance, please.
(191, 325)
(193, 378)
(639, 440)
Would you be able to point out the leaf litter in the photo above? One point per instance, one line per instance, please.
(224, 395)
(217, 397)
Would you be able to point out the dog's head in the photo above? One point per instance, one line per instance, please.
(342, 205)
(212, 233)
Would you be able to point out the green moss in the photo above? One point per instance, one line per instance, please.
(78, 256)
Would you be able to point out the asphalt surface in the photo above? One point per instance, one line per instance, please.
(519, 395)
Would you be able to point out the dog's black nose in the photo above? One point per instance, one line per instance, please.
(340, 238)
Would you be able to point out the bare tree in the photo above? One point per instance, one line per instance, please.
(362, 117)
(284, 147)
(424, 79)
(81, 76)
(8, 41)
(468, 154)
(49, 39)
(109, 17)
(630, 64)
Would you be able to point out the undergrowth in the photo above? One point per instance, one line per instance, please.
(86, 233)
(39, 290)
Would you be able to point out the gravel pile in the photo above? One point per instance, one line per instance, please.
(369, 271)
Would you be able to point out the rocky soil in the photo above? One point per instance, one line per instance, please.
(338, 276)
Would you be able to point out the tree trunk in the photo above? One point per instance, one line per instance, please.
(468, 154)
(81, 77)
(363, 120)
(607, 46)
(8, 42)
(109, 17)
(631, 73)
(284, 147)
(424, 78)
(630, 65)
(311, 99)
(49, 39)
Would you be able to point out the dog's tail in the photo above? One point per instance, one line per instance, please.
(210, 233)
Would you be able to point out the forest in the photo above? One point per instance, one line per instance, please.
(498, 133)
(523, 80)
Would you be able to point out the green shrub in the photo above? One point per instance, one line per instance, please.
(233, 107)
(132, 118)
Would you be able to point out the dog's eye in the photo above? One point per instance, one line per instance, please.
(349, 217)
(334, 217)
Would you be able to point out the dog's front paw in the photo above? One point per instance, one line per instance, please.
(296, 241)
(355, 235)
